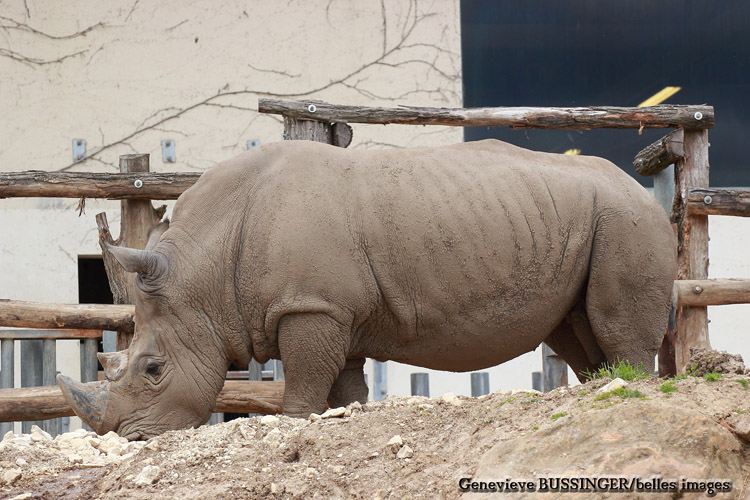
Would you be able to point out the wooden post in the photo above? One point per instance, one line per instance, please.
(31, 373)
(49, 376)
(6, 374)
(555, 370)
(664, 193)
(307, 130)
(380, 383)
(691, 323)
(420, 384)
(137, 217)
(480, 384)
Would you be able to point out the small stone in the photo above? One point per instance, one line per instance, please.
(21, 462)
(338, 468)
(395, 443)
(405, 452)
(79, 443)
(271, 420)
(22, 496)
(22, 440)
(111, 436)
(451, 399)
(10, 476)
(355, 406)
(381, 494)
(148, 475)
(274, 488)
(38, 434)
(334, 412)
(92, 441)
(265, 469)
(273, 437)
(8, 436)
(310, 472)
(154, 445)
(615, 384)
(314, 417)
(76, 459)
(348, 412)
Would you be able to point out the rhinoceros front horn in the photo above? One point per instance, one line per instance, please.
(88, 401)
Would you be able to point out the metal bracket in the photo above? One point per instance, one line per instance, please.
(253, 143)
(79, 150)
(167, 151)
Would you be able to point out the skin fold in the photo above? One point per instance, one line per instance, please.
(454, 258)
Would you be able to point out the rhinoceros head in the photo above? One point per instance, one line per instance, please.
(163, 381)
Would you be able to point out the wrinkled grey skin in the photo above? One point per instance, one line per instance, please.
(454, 258)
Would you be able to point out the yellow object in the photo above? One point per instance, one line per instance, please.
(660, 96)
(572, 152)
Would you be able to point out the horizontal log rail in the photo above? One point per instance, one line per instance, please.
(7, 333)
(662, 116)
(40, 403)
(113, 186)
(67, 316)
(715, 201)
(714, 292)
(660, 154)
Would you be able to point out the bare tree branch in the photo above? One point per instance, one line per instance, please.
(16, 25)
(393, 57)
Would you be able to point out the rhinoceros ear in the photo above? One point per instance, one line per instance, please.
(155, 234)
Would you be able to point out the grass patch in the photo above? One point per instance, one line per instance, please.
(558, 415)
(712, 377)
(620, 369)
(668, 387)
(743, 382)
(622, 392)
(535, 428)
(506, 400)
(531, 401)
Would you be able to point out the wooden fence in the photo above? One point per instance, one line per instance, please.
(685, 194)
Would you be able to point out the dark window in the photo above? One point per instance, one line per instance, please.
(611, 52)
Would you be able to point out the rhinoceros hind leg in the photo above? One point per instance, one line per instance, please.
(631, 275)
(350, 385)
(313, 349)
(564, 341)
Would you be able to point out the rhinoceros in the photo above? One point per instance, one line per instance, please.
(454, 258)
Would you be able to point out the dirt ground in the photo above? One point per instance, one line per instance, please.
(406, 447)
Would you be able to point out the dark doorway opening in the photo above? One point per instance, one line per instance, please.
(93, 285)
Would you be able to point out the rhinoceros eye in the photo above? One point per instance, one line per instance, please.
(153, 368)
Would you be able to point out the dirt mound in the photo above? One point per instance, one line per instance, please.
(704, 361)
(421, 448)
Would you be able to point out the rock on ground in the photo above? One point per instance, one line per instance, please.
(704, 361)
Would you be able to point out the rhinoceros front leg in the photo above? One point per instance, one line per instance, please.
(350, 385)
(313, 349)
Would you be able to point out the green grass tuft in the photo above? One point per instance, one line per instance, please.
(712, 377)
(558, 415)
(506, 400)
(668, 387)
(743, 382)
(620, 369)
(622, 393)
